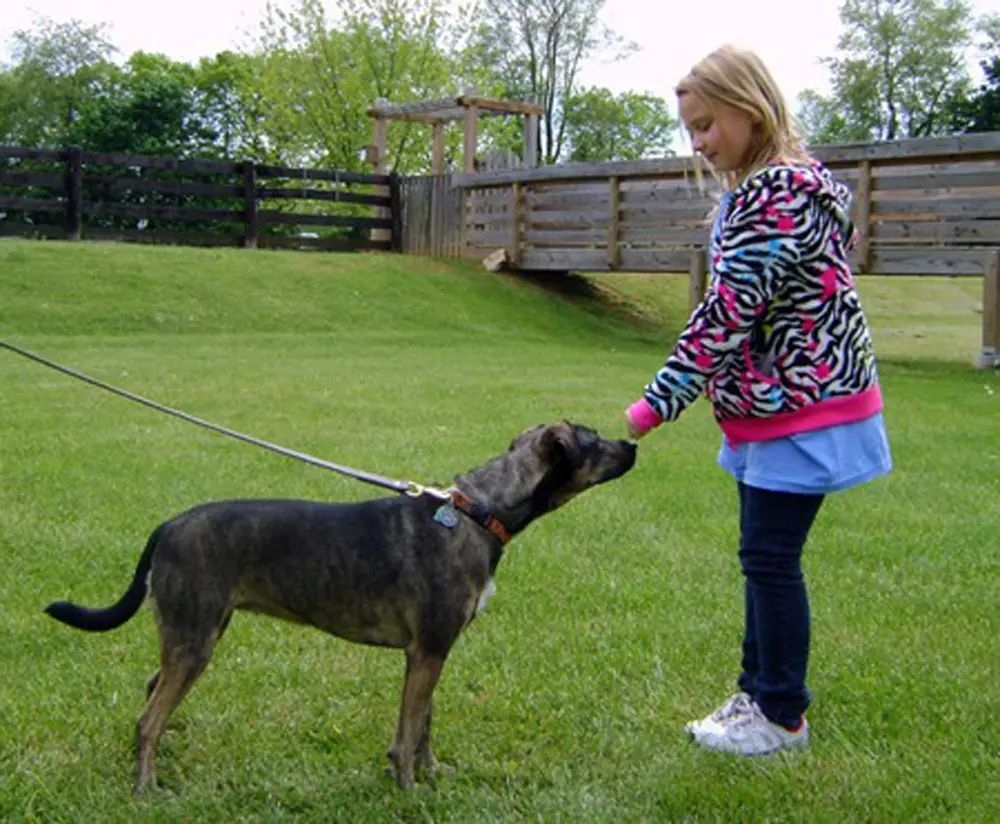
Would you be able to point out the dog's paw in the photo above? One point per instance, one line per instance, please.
(400, 772)
(402, 781)
(427, 764)
(436, 773)
(148, 787)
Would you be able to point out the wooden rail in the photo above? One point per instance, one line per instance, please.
(922, 207)
(76, 194)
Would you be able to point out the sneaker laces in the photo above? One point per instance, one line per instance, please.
(738, 705)
(754, 714)
(750, 713)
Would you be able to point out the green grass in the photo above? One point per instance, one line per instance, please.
(617, 618)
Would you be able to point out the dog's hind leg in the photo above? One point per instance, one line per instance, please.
(422, 673)
(155, 677)
(182, 660)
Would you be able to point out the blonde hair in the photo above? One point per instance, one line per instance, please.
(736, 77)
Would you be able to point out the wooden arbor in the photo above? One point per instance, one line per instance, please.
(468, 107)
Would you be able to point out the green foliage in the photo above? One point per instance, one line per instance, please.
(143, 108)
(900, 65)
(603, 126)
(11, 105)
(535, 48)
(229, 109)
(319, 78)
(824, 120)
(62, 88)
(56, 70)
(301, 96)
(979, 110)
(985, 111)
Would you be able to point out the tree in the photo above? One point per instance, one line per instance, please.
(824, 121)
(319, 79)
(980, 111)
(143, 108)
(229, 108)
(901, 65)
(984, 108)
(11, 105)
(535, 49)
(55, 69)
(601, 126)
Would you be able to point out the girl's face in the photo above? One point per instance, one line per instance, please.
(721, 134)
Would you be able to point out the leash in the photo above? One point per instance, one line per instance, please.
(403, 487)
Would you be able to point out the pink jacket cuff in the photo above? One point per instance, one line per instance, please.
(643, 416)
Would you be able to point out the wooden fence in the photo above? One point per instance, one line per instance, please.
(431, 216)
(74, 194)
(929, 206)
(922, 207)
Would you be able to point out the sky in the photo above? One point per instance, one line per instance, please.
(789, 35)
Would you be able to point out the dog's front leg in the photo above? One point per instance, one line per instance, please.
(422, 674)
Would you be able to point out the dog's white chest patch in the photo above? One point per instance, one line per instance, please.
(488, 592)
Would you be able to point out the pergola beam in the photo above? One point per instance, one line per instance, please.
(434, 116)
(468, 108)
(452, 108)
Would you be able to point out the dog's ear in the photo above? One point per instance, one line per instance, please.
(520, 439)
(559, 441)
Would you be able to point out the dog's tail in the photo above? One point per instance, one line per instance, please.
(102, 620)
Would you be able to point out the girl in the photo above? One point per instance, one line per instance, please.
(782, 349)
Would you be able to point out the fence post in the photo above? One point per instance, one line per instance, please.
(470, 138)
(435, 219)
(395, 214)
(614, 252)
(74, 193)
(990, 356)
(530, 156)
(379, 155)
(515, 226)
(698, 277)
(252, 235)
(862, 217)
(437, 149)
(463, 222)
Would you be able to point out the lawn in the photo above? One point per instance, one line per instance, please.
(617, 618)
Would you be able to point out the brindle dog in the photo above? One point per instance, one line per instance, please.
(408, 572)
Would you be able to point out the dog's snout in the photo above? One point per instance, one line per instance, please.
(629, 450)
(631, 446)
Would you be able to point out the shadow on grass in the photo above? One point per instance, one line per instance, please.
(589, 295)
(603, 299)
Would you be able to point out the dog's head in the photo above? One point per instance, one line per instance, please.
(571, 458)
(544, 468)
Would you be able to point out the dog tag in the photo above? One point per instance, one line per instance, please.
(446, 516)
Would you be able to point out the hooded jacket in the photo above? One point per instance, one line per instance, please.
(780, 343)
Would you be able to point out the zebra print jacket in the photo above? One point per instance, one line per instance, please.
(780, 343)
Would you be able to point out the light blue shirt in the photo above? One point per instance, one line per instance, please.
(812, 463)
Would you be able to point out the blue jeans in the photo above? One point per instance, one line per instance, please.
(773, 531)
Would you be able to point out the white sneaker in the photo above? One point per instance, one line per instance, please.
(751, 733)
(737, 704)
